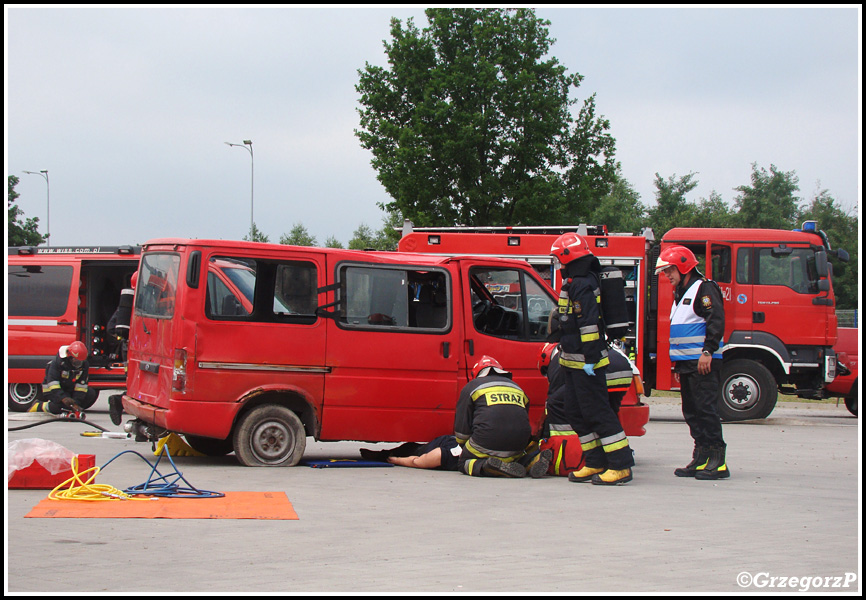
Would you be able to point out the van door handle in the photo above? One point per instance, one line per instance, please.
(471, 344)
(66, 322)
(446, 348)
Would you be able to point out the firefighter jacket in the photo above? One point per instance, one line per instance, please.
(583, 339)
(492, 416)
(62, 380)
(697, 323)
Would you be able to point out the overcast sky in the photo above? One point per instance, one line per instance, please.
(129, 108)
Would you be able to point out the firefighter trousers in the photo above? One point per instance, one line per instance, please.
(700, 394)
(588, 410)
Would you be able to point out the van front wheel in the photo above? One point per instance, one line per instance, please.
(23, 395)
(270, 436)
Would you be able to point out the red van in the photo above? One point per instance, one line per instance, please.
(250, 347)
(56, 296)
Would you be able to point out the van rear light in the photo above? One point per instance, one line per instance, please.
(178, 376)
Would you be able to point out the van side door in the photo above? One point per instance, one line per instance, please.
(392, 354)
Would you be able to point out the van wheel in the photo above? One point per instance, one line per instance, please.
(749, 391)
(23, 395)
(851, 400)
(270, 436)
(209, 446)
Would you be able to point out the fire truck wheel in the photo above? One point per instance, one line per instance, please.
(748, 391)
(209, 446)
(23, 395)
(270, 436)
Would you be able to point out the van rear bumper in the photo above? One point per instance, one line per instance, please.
(207, 419)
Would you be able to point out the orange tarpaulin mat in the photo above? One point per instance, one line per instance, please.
(235, 505)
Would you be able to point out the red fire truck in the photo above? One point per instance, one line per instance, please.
(779, 304)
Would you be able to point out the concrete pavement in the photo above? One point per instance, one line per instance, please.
(790, 510)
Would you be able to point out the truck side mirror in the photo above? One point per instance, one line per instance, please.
(821, 264)
(841, 254)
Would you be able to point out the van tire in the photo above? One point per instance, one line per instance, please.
(749, 391)
(23, 395)
(209, 446)
(270, 436)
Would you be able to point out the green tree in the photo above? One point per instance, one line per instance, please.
(672, 209)
(471, 123)
(620, 209)
(714, 212)
(770, 202)
(257, 235)
(843, 230)
(333, 242)
(298, 236)
(363, 238)
(21, 233)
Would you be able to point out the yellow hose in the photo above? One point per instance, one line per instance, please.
(87, 490)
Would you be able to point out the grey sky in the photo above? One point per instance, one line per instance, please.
(129, 109)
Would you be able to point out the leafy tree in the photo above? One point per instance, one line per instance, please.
(770, 202)
(365, 238)
(333, 242)
(21, 233)
(299, 236)
(257, 236)
(713, 212)
(471, 124)
(672, 209)
(843, 229)
(620, 209)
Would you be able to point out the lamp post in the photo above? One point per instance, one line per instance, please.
(252, 173)
(44, 173)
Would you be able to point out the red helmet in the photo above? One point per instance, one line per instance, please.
(569, 247)
(544, 356)
(133, 280)
(487, 364)
(678, 256)
(76, 352)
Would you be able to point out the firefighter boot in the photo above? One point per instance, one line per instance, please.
(540, 464)
(612, 477)
(699, 460)
(495, 467)
(716, 468)
(115, 408)
(584, 474)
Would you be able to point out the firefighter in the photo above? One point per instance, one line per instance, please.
(65, 385)
(491, 424)
(697, 328)
(608, 458)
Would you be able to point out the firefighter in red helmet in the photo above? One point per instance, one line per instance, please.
(491, 424)
(65, 387)
(697, 328)
(584, 358)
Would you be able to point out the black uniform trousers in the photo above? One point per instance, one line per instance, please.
(701, 404)
(588, 410)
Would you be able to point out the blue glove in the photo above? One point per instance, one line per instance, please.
(587, 368)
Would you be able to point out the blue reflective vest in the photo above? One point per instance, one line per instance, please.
(688, 330)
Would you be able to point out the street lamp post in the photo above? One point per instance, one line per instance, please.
(252, 177)
(44, 173)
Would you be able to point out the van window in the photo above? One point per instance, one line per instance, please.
(795, 270)
(288, 289)
(721, 260)
(157, 285)
(508, 304)
(38, 291)
(744, 269)
(394, 298)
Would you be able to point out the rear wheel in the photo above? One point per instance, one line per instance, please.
(852, 400)
(209, 446)
(23, 395)
(749, 391)
(270, 436)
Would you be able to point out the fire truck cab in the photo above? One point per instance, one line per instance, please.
(279, 343)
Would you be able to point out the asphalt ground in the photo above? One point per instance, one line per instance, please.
(788, 520)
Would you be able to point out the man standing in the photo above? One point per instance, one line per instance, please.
(491, 424)
(584, 358)
(65, 386)
(697, 328)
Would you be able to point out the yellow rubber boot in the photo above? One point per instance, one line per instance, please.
(584, 474)
(612, 477)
